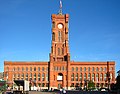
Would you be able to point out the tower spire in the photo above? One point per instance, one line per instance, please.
(60, 10)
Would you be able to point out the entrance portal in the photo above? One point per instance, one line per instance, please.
(60, 80)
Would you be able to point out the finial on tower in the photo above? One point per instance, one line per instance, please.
(60, 10)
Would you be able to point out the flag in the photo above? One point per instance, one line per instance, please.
(60, 4)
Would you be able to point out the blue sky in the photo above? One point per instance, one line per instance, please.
(25, 30)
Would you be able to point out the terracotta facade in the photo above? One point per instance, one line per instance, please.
(59, 71)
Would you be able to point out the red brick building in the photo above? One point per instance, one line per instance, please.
(59, 71)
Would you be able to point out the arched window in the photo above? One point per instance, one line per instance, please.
(97, 69)
(38, 68)
(58, 51)
(88, 68)
(84, 68)
(39, 77)
(53, 36)
(18, 69)
(7, 69)
(81, 77)
(85, 76)
(22, 68)
(43, 77)
(105, 69)
(80, 68)
(34, 68)
(97, 77)
(26, 68)
(59, 36)
(30, 68)
(72, 77)
(93, 77)
(46, 76)
(101, 76)
(105, 76)
(101, 69)
(89, 76)
(43, 68)
(22, 76)
(72, 68)
(14, 69)
(26, 76)
(76, 77)
(76, 68)
(35, 77)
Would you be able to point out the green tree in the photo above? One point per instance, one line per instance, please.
(91, 85)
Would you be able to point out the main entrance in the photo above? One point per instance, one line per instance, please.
(60, 80)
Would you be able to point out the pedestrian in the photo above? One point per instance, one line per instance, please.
(64, 91)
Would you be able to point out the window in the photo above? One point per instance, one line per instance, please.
(89, 76)
(85, 76)
(39, 77)
(101, 69)
(97, 69)
(7, 69)
(35, 77)
(30, 68)
(81, 77)
(88, 68)
(43, 77)
(58, 51)
(111, 76)
(26, 76)
(80, 68)
(22, 69)
(34, 68)
(22, 75)
(101, 76)
(46, 76)
(105, 69)
(72, 77)
(72, 68)
(43, 84)
(14, 69)
(76, 68)
(26, 68)
(53, 24)
(97, 77)
(111, 69)
(53, 36)
(93, 77)
(105, 76)
(59, 36)
(43, 68)
(93, 68)
(30, 75)
(38, 68)
(18, 69)
(84, 68)
(76, 77)
(18, 75)
(63, 68)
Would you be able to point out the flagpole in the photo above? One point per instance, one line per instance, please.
(60, 10)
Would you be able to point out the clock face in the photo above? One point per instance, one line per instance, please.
(60, 26)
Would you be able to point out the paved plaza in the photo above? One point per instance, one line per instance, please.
(73, 92)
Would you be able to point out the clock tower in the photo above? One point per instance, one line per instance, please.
(59, 55)
(60, 47)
